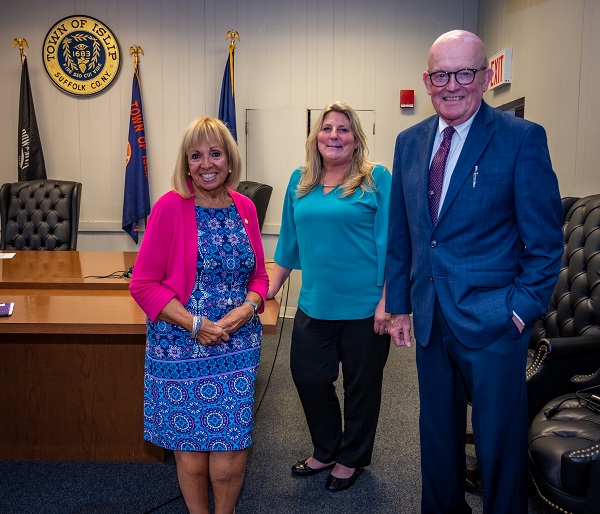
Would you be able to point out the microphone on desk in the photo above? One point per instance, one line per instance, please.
(128, 273)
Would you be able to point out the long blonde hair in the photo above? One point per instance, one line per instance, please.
(360, 171)
(206, 128)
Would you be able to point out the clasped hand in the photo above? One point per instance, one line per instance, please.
(215, 333)
(399, 329)
(382, 319)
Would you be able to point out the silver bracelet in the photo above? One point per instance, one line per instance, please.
(196, 326)
(254, 306)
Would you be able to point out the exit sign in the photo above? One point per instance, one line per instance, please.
(501, 65)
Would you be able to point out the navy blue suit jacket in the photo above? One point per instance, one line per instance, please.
(497, 245)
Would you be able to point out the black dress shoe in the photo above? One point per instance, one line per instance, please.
(335, 484)
(302, 469)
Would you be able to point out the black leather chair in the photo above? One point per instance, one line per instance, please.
(566, 341)
(40, 215)
(564, 454)
(567, 203)
(260, 194)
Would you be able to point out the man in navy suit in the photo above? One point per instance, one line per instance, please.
(476, 273)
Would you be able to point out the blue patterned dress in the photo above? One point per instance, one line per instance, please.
(201, 398)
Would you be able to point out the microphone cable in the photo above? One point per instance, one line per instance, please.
(287, 293)
(114, 274)
(592, 401)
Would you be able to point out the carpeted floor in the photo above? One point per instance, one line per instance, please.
(390, 485)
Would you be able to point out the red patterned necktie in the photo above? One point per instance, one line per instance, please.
(436, 174)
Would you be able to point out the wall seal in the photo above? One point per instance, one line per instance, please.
(81, 55)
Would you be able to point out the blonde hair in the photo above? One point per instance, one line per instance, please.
(204, 129)
(360, 171)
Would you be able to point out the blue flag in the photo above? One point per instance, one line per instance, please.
(227, 102)
(136, 197)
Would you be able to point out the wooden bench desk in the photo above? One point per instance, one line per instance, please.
(72, 359)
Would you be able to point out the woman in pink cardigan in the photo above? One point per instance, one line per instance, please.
(200, 278)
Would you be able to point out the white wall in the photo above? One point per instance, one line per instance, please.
(556, 51)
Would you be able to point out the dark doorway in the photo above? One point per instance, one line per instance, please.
(516, 106)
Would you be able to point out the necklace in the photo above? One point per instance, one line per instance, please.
(341, 182)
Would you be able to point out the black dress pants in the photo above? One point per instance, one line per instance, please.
(318, 347)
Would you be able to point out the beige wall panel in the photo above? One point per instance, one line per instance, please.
(301, 52)
(171, 73)
(252, 78)
(327, 54)
(194, 41)
(274, 154)
(587, 174)
(308, 76)
(148, 35)
(416, 31)
(186, 53)
(278, 51)
(351, 36)
(104, 241)
(247, 21)
(553, 53)
(371, 50)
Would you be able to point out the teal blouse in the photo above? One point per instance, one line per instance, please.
(339, 244)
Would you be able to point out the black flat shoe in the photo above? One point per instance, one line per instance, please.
(335, 484)
(302, 469)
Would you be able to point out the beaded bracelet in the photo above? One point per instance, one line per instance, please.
(196, 326)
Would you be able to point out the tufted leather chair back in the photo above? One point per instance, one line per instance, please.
(260, 194)
(575, 305)
(40, 215)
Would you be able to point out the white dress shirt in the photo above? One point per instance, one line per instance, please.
(458, 140)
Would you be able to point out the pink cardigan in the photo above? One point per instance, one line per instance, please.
(166, 263)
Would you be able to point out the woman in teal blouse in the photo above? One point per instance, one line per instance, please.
(334, 228)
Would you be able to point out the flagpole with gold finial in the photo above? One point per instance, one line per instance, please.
(21, 41)
(232, 35)
(136, 51)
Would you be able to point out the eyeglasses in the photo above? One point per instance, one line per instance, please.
(463, 77)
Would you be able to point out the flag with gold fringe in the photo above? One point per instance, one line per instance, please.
(136, 196)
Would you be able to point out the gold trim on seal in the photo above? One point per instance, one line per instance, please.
(81, 55)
